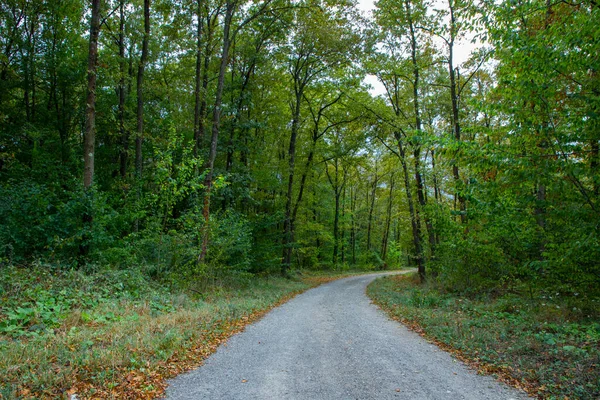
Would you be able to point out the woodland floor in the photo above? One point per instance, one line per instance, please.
(547, 344)
(117, 334)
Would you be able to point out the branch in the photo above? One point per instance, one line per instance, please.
(460, 89)
(108, 16)
(388, 147)
(433, 33)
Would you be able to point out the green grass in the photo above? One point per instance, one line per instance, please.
(117, 333)
(549, 345)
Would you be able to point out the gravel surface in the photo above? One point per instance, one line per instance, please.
(332, 343)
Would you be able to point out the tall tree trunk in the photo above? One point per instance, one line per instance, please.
(287, 224)
(230, 148)
(89, 138)
(371, 208)
(388, 219)
(61, 124)
(315, 216)
(124, 155)
(216, 123)
(140, 105)
(417, 150)
(438, 198)
(198, 80)
(29, 67)
(200, 132)
(353, 196)
(414, 215)
(594, 162)
(343, 231)
(140, 92)
(336, 230)
(337, 189)
(317, 133)
(300, 82)
(455, 115)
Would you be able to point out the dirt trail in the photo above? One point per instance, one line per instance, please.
(332, 343)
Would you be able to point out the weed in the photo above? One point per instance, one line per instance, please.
(539, 344)
(115, 334)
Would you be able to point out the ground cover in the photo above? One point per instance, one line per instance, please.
(117, 333)
(547, 344)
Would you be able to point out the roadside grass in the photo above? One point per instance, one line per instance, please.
(119, 334)
(549, 346)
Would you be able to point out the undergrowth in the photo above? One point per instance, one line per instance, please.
(118, 333)
(548, 344)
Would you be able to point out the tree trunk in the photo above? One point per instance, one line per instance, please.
(455, 115)
(140, 93)
(315, 216)
(198, 80)
(371, 208)
(215, 128)
(353, 224)
(124, 155)
(388, 219)
(90, 112)
(287, 224)
(415, 215)
(415, 219)
(89, 139)
(594, 162)
(205, 70)
(343, 231)
(336, 216)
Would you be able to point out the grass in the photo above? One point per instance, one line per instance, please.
(118, 334)
(549, 346)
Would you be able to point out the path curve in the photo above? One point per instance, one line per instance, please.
(331, 342)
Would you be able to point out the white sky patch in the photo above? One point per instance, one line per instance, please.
(377, 88)
(366, 5)
(463, 48)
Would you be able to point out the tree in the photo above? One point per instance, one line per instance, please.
(90, 113)
(319, 42)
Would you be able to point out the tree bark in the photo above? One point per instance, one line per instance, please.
(140, 93)
(216, 123)
(343, 231)
(353, 196)
(371, 208)
(89, 139)
(388, 219)
(198, 80)
(414, 215)
(416, 148)
(455, 115)
(337, 189)
(287, 224)
(200, 133)
(124, 155)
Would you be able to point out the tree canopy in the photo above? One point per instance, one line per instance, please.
(212, 137)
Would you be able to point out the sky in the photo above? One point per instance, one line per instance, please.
(462, 50)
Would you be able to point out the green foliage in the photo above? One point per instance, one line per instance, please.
(231, 242)
(485, 170)
(46, 219)
(111, 323)
(529, 340)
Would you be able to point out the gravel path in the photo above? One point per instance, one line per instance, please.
(332, 343)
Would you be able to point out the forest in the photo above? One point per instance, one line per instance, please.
(189, 142)
(241, 136)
